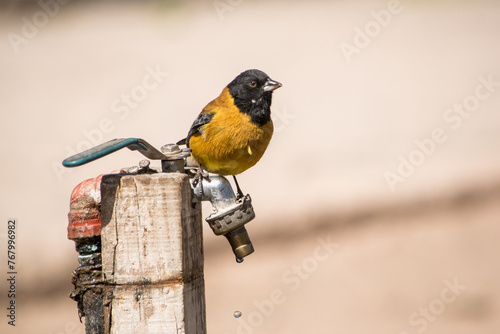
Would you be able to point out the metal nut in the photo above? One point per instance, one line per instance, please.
(170, 149)
(144, 163)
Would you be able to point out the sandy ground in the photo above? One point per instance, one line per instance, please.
(343, 123)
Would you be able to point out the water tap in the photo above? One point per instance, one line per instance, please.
(229, 214)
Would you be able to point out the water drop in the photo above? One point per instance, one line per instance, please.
(237, 314)
(239, 260)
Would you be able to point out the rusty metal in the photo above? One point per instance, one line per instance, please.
(85, 210)
(84, 228)
(88, 285)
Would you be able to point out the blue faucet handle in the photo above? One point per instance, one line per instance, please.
(134, 144)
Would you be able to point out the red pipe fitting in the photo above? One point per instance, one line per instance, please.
(85, 210)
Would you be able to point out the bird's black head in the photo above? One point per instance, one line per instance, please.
(252, 92)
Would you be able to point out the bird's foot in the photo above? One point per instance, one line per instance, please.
(198, 178)
(239, 193)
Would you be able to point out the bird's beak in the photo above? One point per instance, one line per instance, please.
(271, 85)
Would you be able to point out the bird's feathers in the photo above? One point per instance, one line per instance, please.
(202, 119)
(233, 131)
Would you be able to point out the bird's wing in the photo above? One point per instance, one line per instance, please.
(202, 119)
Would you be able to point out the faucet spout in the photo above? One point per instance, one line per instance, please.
(229, 215)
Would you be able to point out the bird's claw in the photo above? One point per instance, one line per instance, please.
(198, 178)
(239, 195)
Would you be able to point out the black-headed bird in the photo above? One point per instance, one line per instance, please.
(232, 132)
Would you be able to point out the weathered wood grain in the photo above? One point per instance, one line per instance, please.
(152, 255)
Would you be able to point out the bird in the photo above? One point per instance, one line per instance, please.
(232, 132)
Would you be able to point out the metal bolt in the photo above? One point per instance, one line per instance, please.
(144, 163)
(133, 170)
(170, 149)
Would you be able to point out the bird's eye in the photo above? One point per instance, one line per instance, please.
(253, 84)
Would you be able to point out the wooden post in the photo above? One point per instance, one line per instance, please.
(152, 255)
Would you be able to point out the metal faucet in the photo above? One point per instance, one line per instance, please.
(229, 214)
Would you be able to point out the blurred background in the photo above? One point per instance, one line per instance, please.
(377, 201)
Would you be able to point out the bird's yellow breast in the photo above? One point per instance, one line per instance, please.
(230, 143)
